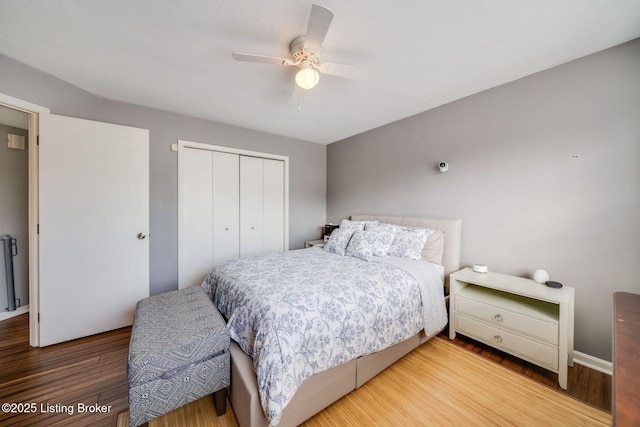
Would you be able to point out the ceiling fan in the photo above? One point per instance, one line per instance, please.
(305, 53)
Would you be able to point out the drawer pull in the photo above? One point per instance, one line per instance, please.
(497, 338)
(498, 318)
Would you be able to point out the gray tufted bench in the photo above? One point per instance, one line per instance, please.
(178, 353)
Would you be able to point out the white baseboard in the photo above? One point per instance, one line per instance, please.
(593, 362)
(18, 311)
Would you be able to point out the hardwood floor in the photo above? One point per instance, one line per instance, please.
(60, 379)
(585, 384)
(93, 371)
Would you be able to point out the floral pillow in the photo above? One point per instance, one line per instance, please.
(409, 242)
(356, 225)
(360, 245)
(339, 240)
(383, 236)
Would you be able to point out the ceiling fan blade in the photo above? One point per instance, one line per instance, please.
(342, 70)
(260, 58)
(319, 22)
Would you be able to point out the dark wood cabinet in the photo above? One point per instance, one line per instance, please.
(626, 359)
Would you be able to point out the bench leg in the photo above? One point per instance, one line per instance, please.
(220, 401)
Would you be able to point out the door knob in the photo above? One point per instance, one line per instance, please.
(141, 236)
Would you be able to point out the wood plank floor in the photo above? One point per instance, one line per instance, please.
(585, 384)
(60, 378)
(92, 371)
(440, 384)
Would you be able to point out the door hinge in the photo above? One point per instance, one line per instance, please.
(38, 140)
(38, 229)
(38, 317)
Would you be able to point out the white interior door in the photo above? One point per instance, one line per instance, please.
(94, 202)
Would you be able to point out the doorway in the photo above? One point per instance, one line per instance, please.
(109, 227)
(32, 111)
(14, 212)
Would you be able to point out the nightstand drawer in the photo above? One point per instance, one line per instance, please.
(496, 313)
(536, 352)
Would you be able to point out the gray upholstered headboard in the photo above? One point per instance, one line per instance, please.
(452, 229)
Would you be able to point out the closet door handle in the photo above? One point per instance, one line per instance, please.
(141, 236)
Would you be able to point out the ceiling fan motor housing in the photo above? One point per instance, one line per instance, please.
(296, 45)
(299, 54)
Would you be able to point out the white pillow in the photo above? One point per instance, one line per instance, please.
(339, 240)
(409, 242)
(434, 248)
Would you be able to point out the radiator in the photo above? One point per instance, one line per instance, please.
(10, 246)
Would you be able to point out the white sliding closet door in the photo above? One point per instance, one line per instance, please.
(273, 212)
(226, 207)
(251, 206)
(196, 211)
(231, 204)
(261, 206)
(209, 212)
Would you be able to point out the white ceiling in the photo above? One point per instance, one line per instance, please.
(176, 55)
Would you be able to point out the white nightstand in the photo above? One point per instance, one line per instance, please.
(320, 243)
(518, 316)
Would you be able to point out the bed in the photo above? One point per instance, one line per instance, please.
(304, 361)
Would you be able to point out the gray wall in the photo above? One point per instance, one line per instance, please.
(544, 172)
(14, 213)
(307, 166)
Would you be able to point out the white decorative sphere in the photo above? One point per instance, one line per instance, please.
(541, 276)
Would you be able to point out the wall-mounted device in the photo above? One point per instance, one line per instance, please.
(444, 166)
(17, 142)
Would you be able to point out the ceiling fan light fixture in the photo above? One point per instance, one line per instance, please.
(305, 52)
(307, 77)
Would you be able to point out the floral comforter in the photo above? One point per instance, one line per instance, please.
(301, 312)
